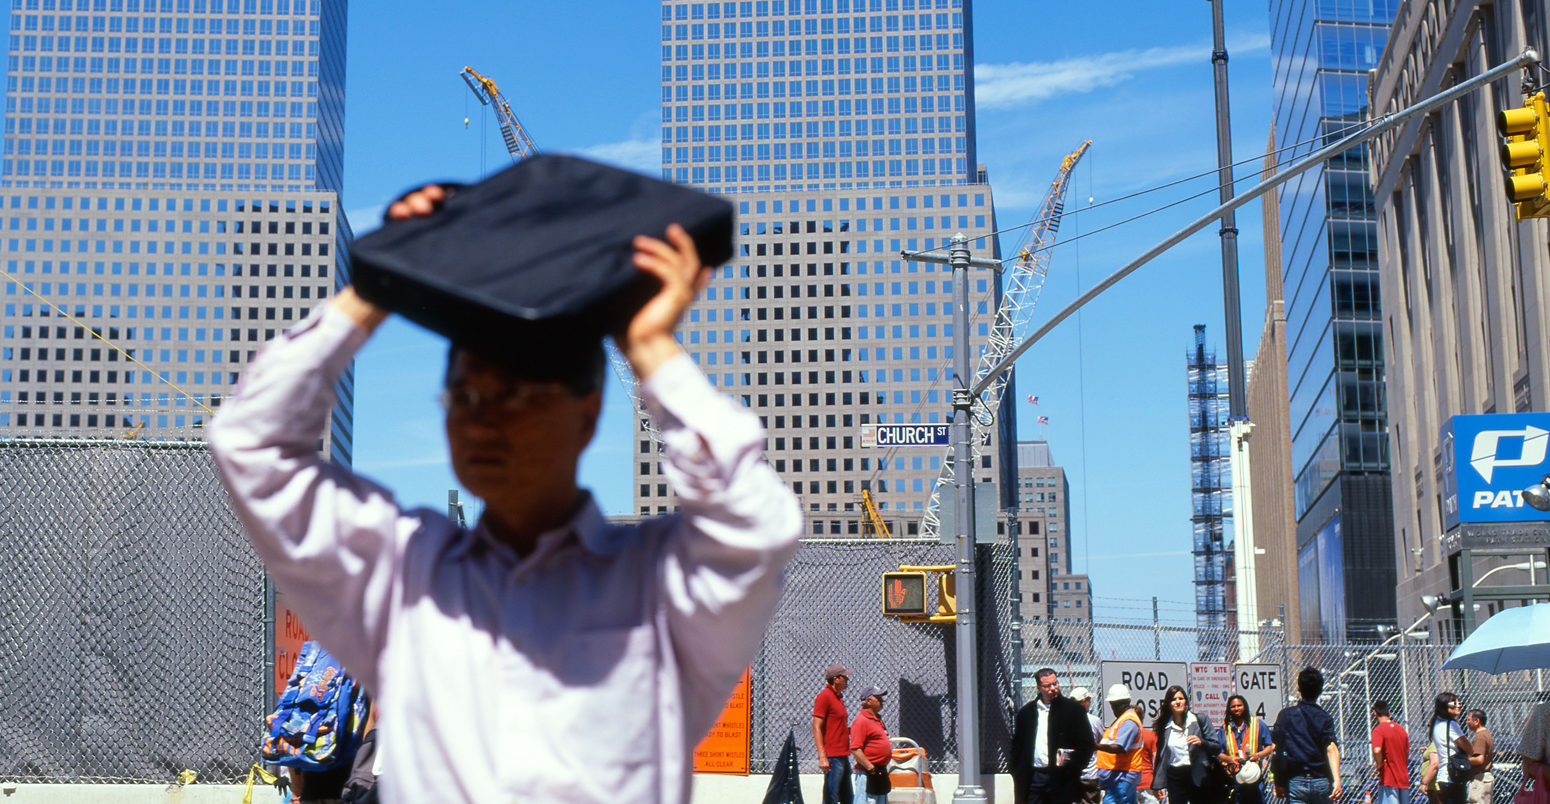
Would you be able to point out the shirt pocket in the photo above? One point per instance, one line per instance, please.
(608, 686)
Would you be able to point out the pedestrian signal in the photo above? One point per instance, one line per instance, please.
(904, 594)
(1524, 155)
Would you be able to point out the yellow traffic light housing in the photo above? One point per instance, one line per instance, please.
(904, 594)
(1526, 153)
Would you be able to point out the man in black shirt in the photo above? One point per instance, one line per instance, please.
(1307, 759)
(1051, 743)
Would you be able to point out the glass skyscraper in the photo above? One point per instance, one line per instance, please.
(169, 201)
(1211, 500)
(1322, 51)
(844, 132)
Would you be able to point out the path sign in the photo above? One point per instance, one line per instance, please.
(1147, 682)
(905, 435)
(1209, 685)
(1260, 685)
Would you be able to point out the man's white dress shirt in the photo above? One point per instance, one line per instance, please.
(585, 671)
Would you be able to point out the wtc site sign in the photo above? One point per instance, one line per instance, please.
(1208, 685)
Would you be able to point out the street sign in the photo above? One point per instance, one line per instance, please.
(1260, 685)
(1147, 682)
(1487, 462)
(905, 435)
(1209, 685)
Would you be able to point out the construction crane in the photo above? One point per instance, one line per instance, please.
(512, 132)
(1023, 284)
(874, 518)
(521, 147)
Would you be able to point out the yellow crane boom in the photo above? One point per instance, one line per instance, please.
(515, 136)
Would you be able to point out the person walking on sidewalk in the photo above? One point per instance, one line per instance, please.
(831, 736)
(869, 746)
(1144, 792)
(1092, 792)
(1482, 785)
(1447, 735)
(1306, 762)
(1187, 743)
(1119, 750)
(1391, 756)
(1051, 743)
(1245, 742)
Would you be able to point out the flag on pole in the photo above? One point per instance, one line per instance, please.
(1033, 400)
(1043, 420)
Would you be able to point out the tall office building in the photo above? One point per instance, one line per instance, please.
(1211, 498)
(1274, 561)
(1322, 52)
(844, 132)
(1464, 283)
(169, 201)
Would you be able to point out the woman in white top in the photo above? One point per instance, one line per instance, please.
(1186, 744)
(1448, 739)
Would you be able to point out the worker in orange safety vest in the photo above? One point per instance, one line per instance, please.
(1119, 750)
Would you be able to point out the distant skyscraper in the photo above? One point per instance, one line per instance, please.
(1322, 53)
(844, 132)
(1049, 589)
(169, 184)
(1211, 498)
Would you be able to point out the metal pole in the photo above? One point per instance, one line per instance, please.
(1156, 632)
(1318, 157)
(969, 788)
(1236, 407)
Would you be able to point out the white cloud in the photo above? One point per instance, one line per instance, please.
(999, 86)
(644, 155)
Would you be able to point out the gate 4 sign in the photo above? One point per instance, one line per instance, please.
(1260, 685)
(1147, 682)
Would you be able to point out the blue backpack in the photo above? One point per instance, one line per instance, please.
(320, 718)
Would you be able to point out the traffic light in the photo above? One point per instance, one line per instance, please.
(1526, 153)
(904, 594)
(946, 595)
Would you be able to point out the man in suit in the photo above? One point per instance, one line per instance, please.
(1051, 743)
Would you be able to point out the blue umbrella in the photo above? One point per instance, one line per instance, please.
(1512, 639)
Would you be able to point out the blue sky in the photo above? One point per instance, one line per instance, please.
(1134, 77)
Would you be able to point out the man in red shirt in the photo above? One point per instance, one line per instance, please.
(831, 736)
(1391, 756)
(869, 744)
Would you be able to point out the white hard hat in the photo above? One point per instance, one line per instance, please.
(1249, 773)
(1118, 692)
(1081, 694)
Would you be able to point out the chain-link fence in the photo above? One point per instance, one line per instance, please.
(1404, 672)
(132, 639)
(832, 612)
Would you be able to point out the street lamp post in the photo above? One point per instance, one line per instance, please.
(969, 787)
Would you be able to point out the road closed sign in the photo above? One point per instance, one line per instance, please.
(1147, 682)
(1260, 685)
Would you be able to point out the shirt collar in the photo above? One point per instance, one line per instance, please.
(587, 527)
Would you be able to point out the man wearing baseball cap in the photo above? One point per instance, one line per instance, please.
(1091, 792)
(869, 745)
(831, 735)
(1119, 750)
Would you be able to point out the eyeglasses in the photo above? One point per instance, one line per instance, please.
(464, 401)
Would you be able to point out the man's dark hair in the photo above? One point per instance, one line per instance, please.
(1380, 708)
(581, 372)
(1039, 674)
(1310, 682)
(1478, 714)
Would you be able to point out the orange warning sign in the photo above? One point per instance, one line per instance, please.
(725, 749)
(289, 635)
